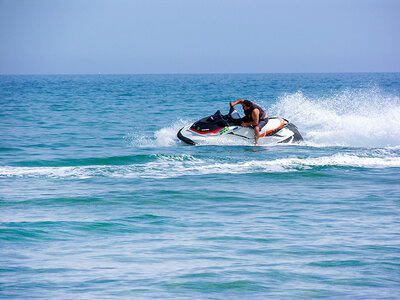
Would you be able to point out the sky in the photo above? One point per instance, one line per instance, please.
(198, 36)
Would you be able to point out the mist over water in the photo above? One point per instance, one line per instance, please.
(100, 199)
(353, 118)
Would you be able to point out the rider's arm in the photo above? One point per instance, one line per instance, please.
(255, 115)
(232, 104)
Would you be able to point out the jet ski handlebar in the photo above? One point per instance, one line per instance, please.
(234, 116)
(231, 110)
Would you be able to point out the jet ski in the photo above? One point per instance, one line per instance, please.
(218, 127)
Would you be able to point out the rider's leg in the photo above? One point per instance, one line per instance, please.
(256, 134)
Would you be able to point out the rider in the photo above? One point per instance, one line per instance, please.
(255, 116)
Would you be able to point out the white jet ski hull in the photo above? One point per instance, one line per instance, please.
(277, 130)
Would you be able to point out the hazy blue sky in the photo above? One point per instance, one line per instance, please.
(198, 36)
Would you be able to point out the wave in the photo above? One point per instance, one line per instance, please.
(88, 161)
(170, 166)
(354, 118)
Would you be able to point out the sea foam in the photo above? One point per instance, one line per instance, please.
(164, 137)
(351, 118)
(170, 166)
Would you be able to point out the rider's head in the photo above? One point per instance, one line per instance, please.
(246, 104)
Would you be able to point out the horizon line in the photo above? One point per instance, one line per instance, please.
(199, 73)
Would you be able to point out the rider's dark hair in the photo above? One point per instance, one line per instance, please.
(248, 103)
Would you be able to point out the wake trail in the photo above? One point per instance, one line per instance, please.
(351, 118)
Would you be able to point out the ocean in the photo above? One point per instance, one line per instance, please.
(99, 199)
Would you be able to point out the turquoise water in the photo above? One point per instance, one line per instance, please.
(99, 199)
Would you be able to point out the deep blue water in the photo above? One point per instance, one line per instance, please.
(99, 199)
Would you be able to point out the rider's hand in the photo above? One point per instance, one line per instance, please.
(231, 104)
